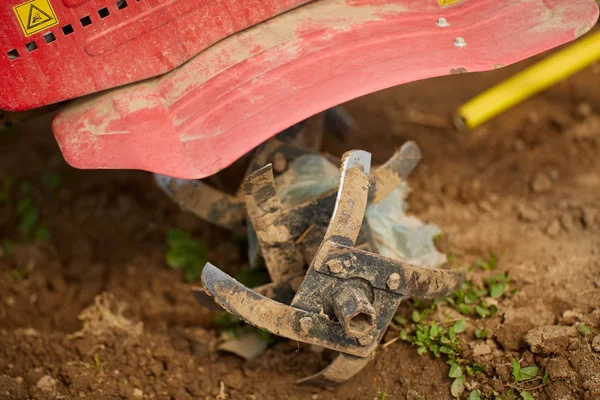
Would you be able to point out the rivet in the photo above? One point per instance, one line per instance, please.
(335, 266)
(306, 324)
(460, 42)
(393, 281)
(442, 22)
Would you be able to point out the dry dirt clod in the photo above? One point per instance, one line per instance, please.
(527, 213)
(553, 229)
(588, 216)
(583, 110)
(46, 384)
(551, 339)
(541, 183)
(137, 394)
(596, 344)
(481, 349)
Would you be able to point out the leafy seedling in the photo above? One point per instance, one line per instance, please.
(584, 330)
(186, 253)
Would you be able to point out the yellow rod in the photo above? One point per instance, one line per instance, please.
(529, 82)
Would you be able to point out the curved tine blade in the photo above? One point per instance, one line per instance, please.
(282, 256)
(390, 175)
(351, 201)
(342, 368)
(205, 300)
(203, 200)
(274, 317)
(260, 193)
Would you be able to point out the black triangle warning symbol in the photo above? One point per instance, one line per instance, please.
(37, 17)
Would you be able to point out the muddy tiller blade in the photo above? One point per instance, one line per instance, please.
(348, 295)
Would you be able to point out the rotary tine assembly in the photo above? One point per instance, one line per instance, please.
(349, 295)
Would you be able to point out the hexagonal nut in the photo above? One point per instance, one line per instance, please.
(355, 312)
(306, 324)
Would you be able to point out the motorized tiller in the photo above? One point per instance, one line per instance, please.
(183, 88)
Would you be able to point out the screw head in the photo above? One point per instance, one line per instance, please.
(393, 281)
(306, 324)
(442, 22)
(335, 266)
(460, 42)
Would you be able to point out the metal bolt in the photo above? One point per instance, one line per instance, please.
(306, 324)
(335, 266)
(460, 42)
(442, 22)
(393, 281)
(365, 340)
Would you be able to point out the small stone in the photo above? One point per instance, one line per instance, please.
(588, 216)
(481, 349)
(551, 339)
(596, 344)
(566, 221)
(526, 213)
(46, 384)
(570, 316)
(137, 394)
(553, 229)
(541, 183)
(583, 110)
(520, 145)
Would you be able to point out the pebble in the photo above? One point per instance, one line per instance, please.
(481, 349)
(526, 213)
(46, 384)
(137, 394)
(541, 183)
(553, 228)
(583, 110)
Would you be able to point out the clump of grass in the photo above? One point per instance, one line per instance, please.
(186, 253)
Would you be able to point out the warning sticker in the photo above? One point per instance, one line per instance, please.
(35, 16)
(448, 2)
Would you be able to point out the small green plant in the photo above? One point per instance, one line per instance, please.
(475, 395)
(524, 377)
(17, 274)
(498, 285)
(185, 253)
(6, 185)
(481, 333)
(381, 394)
(487, 265)
(30, 226)
(584, 330)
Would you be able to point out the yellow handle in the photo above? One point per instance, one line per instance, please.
(530, 81)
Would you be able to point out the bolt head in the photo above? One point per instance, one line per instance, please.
(306, 324)
(335, 266)
(442, 22)
(393, 281)
(460, 42)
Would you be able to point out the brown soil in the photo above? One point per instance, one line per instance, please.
(525, 186)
